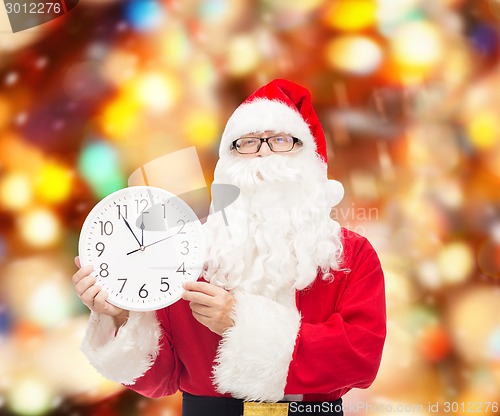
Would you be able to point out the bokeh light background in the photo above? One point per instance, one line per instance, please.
(408, 94)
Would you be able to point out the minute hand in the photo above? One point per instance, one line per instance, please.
(156, 242)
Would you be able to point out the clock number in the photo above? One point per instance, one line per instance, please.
(164, 211)
(125, 209)
(165, 282)
(182, 227)
(143, 293)
(106, 227)
(185, 249)
(100, 247)
(104, 270)
(123, 285)
(181, 269)
(143, 203)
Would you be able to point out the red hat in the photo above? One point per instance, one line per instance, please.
(281, 106)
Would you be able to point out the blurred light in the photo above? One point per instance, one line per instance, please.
(40, 292)
(428, 274)
(456, 262)
(11, 78)
(419, 318)
(242, 55)
(145, 15)
(364, 184)
(449, 192)
(201, 127)
(489, 258)
(15, 191)
(157, 91)
(492, 160)
(119, 66)
(5, 321)
(39, 227)
(3, 248)
(298, 6)
(59, 352)
(100, 167)
(175, 47)
(357, 55)
(16, 155)
(53, 183)
(494, 344)
(473, 318)
(348, 15)
(433, 148)
(4, 113)
(201, 74)
(483, 130)
(213, 9)
(49, 304)
(485, 40)
(398, 288)
(434, 343)
(29, 395)
(416, 49)
(84, 80)
(390, 14)
(120, 118)
(494, 8)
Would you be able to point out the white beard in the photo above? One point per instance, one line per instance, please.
(279, 232)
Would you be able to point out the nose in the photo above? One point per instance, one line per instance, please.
(264, 150)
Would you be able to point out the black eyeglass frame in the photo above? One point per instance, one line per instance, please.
(265, 139)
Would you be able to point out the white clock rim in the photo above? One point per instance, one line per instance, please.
(85, 260)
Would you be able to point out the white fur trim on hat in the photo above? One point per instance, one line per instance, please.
(128, 355)
(262, 114)
(254, 355)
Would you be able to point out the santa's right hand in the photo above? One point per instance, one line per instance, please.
(93, 296)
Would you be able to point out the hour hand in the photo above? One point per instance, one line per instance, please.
(142, 229)
(130, 228)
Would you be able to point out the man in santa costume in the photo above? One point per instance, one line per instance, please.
(291, 307)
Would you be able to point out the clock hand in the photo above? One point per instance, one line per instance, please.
(142, 229)
(143, 247)
(130, 228)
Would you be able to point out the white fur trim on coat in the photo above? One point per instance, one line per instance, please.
(262, 114)
(254, 355)
(128, 355)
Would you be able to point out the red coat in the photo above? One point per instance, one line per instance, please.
(338, 346)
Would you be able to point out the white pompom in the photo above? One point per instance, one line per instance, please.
(335, 192)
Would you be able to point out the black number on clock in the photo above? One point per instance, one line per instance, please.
(123, 285)
(100, 247)
(181, 269)
(143, 293)
(106, 227)
(141, 205)
(125, 210)
(104, 270)
(164, 281)
(182, 227)
(185, 249)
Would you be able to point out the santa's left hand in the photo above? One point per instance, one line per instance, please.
(212, 306)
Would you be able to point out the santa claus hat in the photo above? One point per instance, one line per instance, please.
(281, 106)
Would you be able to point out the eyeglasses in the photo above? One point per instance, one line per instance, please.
(278, 144)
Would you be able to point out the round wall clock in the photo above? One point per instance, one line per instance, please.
(143, 243)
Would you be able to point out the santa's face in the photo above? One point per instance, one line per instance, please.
(279, 230)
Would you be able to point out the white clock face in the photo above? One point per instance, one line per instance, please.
(143, 243)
